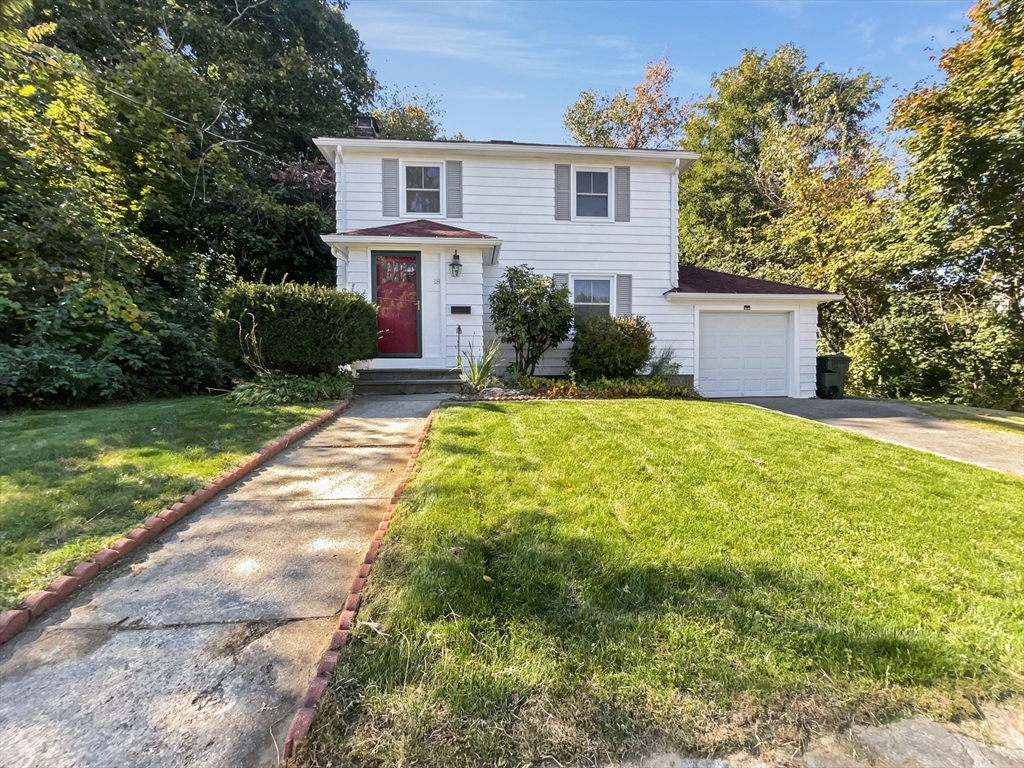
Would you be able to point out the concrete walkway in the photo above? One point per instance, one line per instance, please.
(197, 650)
(898, 423)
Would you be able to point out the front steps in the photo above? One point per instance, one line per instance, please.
(408, 381)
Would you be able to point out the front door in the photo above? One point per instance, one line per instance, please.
(396, 290)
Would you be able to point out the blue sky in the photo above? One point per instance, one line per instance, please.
(508, 70)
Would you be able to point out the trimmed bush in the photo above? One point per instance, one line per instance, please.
(284, 389)
(531, 314)
(611, 347)
(303, 330)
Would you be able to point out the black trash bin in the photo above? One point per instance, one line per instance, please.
(832, 376)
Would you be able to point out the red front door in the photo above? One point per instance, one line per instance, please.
(398, 282)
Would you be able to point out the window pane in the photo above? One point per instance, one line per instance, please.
(584, 181)
(601, 291)
(422, 201)
(413, 177)
(582, 291)
(592, 205)
(599, 182)
(432, 177)
(591, 310)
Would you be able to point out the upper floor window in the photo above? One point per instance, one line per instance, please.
(423, 189)
(592, 297)
(592, 194)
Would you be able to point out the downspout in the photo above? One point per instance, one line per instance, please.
(673, 267)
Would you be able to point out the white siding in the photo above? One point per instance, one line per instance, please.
(513, 198)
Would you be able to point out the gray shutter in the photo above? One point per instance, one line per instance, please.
(390, 187)
(563, 194)
(624, 295)
(621, 193)
(560, 279)
(453, 189)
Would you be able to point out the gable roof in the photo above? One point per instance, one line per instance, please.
(419, 229)
(705, 281)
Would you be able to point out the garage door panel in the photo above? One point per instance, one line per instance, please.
(743, 354)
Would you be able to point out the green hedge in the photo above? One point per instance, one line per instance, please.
(611, 347)
(302, 330)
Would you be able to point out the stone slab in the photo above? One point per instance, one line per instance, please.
(345, 432)
(212, 695)
(241, 560)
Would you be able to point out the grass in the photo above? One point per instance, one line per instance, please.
(74, 481)
(986, 418)
(576, 581)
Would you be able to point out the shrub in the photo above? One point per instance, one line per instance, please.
(611, 347)
(284, 389)
(531, 314)
(640, 386)
(478, 370)
(303, 330)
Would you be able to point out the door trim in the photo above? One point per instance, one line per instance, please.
(374, 255)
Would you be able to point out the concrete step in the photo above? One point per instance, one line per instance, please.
(409, 374)
(408, 387)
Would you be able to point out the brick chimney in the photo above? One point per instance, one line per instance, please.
(366, 127)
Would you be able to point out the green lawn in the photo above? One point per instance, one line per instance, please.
(74, 481)
(986, 418)
(575, 580)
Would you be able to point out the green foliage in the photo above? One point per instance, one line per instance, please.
(650, 119)
(89, 308)
(965, 190)
(638, 386)
(478, 370)
(284, 389)
(303, 330)
(531, 314)
(75, 481)
(682, 576)
(922, 349)
(611, 347)
(405, 114)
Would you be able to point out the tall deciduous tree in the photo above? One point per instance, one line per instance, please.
(966, 146)
(791, 184)
(650, 118)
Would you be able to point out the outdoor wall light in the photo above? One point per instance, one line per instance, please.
(455, 266)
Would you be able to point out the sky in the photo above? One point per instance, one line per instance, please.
(508, 70)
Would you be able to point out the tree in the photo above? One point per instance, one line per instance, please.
(650, 119)
(965, 189)
(531, 314)
(791, 184)
(405, 114)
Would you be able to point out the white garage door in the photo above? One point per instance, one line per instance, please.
(743, 354)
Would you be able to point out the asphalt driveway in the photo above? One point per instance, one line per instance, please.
(898, 423)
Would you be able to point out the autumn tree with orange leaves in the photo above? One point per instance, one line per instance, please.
(651, 119)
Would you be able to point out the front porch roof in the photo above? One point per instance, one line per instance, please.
(420, 232)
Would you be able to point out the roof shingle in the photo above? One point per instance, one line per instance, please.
(420, 228)
(697, 280)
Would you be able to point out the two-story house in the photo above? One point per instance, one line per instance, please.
(425, 230)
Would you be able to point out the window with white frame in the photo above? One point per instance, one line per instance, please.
(592, 297)
(423, 189)
(592, 194)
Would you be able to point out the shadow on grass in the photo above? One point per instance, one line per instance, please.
(631, 649)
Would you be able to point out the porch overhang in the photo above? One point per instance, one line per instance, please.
(491, 247)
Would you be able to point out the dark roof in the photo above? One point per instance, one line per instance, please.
(420, 228)
(697, 280)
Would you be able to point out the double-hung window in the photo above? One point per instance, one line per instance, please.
(592, 297)
(423, 189)
(592, 194)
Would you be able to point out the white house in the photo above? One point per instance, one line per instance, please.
(426, 228)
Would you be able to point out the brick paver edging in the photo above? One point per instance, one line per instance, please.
(14, 621)
(299, 728)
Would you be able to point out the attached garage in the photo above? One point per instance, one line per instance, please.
(751, 338)
(744, 354)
